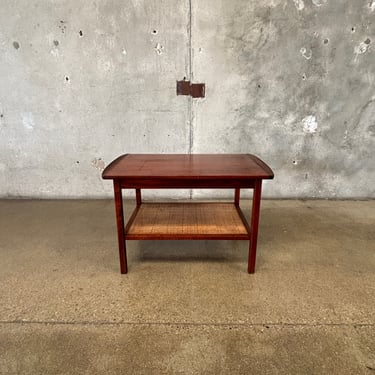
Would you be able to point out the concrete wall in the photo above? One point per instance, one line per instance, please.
(289, 80)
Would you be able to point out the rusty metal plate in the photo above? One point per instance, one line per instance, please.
(196, 90)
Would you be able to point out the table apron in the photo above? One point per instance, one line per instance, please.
(199, 183)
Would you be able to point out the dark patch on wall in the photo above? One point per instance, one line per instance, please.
(371, 130)
(16, 45)
(56, 42)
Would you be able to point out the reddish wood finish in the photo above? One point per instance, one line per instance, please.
(239, 167)
(237, 197)
(138, 196)
(120, 226)
(141, 171)
(193, 183)
(254, 226)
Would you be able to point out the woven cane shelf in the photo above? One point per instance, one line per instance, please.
(187, 221)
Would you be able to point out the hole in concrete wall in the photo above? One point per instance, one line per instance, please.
(56, 42)
(98, 163)
(304, 77)
(326, 41)
(295, 162)
(67, 78)
(154, 32)
(16, 45)
(353, 29)
(159, 49)
(62, 26)
(81, 33)
(368, 41)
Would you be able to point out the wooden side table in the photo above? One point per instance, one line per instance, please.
(187, 220)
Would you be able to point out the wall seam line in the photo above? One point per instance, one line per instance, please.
(190, 99)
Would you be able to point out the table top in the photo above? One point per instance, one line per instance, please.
(188, 166)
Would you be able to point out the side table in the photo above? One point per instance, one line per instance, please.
(187, 220)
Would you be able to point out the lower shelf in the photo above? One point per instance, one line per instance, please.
(187, 221)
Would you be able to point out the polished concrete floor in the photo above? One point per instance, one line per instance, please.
(187, 307)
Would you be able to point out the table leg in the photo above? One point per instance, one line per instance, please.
(120, 226)
(254, 226)
(237, 197)
(138, 196)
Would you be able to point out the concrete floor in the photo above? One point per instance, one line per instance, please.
(187, 307)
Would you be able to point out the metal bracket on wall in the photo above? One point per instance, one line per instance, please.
(196, 90)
